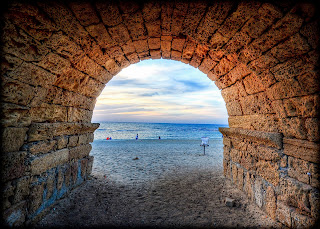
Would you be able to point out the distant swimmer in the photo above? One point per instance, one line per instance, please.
(137, 137)
(159, 137)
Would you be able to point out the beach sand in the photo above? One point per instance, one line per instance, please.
(171, 184)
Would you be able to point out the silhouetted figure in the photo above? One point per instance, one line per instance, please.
(159, 137)
(137, 137)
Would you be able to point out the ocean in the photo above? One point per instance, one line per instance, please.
(128, 161)
(129, 130)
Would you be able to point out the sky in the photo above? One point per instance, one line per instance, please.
(161, 91)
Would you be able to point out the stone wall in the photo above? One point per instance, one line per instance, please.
(57, 57)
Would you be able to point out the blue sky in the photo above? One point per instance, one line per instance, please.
(161, 91)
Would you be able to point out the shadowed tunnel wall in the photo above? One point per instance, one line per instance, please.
(58, 56)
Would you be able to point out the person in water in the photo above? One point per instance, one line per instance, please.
(137, 137)
(159, 137)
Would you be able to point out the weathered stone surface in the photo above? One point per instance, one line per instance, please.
(84, 12)
(16, 215)
(270, 139)
(271, 204)
(79, 151)
(12, 138)
(47, 161)
(302, 149)
(13, 165)
(40, 147)
(14, 115)
(43, 131)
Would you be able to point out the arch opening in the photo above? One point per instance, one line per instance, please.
(57, 57)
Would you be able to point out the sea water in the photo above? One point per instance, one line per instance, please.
(129, 161)
(127, 130)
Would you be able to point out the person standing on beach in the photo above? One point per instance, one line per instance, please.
(137, 137)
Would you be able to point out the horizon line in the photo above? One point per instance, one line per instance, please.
(164, 123)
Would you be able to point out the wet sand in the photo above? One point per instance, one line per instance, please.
(181, 195)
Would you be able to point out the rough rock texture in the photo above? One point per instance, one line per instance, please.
(56, 58)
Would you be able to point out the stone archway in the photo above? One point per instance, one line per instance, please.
(57, 57)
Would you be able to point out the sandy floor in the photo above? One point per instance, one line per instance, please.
(195, 199)
(174, 186)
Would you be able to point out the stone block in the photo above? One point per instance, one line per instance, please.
(41, 147)
(248, 185)
(293, 127)
(19, 93)
(259, 193)
(302, 149)
(234, 108)
(135, 24)
(311, 32)
(263, 63)
(258, 103)
(12, 138)
(266, 138)
(285, 89)
(257, 83)
(79, 152)
(13, 165)
(128, 47)
(237, 19)
(32, 74)
(20, 44)
(22, 189)
(195, 13)
(301, 221)
(84, 12)
(73, 141)
(151, 10)
(283, 213)
(234, 173)
(309, 82)
(16, 215)
(144, 55)
(291, 68)
(153, 28)
(154, 43)
(236, 74)
(36, 196)
(79, 115)
(295, 194)
(178, 43)
(166, 16)
(133, 58)
(284, 28)
(314, 203)
(48, 113)
(43, 131)
(294, 46)
(175, 55)
(239, 40)
(62, 142)
(84, 164)
(269, 171)
(93, 69)
(109, 13)
(47, 161)
(141, 45)
(90, 163)
(226, 169)
(155, 54)
(305, 106)
(188, 49)
(119, 33)
(313, 130)
(50, 184)
(165, 55)
(267, 123)
(178, 16)
(14, 115)
(266, 16)
(298, 169)
(271, 202)
(85, 138)
(101, 35)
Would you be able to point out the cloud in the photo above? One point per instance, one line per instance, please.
(159, 90)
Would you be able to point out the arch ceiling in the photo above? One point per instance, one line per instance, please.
(58, 56)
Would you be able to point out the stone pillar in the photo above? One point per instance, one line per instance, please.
(278, 174)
